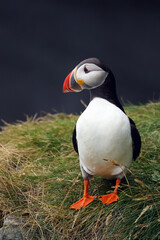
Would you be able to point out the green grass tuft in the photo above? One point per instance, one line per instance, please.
(40, 178)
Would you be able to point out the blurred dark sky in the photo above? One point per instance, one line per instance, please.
(42, 41)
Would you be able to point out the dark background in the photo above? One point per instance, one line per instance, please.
(42, 41)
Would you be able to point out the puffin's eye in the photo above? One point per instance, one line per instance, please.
(86, 69)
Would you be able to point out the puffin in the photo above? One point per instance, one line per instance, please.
(105, 138)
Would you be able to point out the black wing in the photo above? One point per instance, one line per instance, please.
(74, 140)
(136, 139)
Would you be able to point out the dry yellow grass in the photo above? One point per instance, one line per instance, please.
(40, 177)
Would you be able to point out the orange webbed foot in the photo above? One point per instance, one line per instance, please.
(109, 198)
(83, 202)
(112, 197)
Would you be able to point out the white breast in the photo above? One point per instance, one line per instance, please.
(103, 132)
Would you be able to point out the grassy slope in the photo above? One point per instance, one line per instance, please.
(40, 178)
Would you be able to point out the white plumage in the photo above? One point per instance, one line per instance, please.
(103, 132)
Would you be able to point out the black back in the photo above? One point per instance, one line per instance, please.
(107, 91)
(136, 139)
(74, 140)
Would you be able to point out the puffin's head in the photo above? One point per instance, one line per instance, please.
(88, 74)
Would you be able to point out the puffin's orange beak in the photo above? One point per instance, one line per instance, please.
(67, 84)
(70, 84)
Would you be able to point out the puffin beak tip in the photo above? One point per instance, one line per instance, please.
(66, 84)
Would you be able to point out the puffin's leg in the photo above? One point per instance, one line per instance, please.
(85, 200)
(112, 197)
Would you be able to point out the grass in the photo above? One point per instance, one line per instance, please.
(40, 178)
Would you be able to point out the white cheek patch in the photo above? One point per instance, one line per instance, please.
(94, 78)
